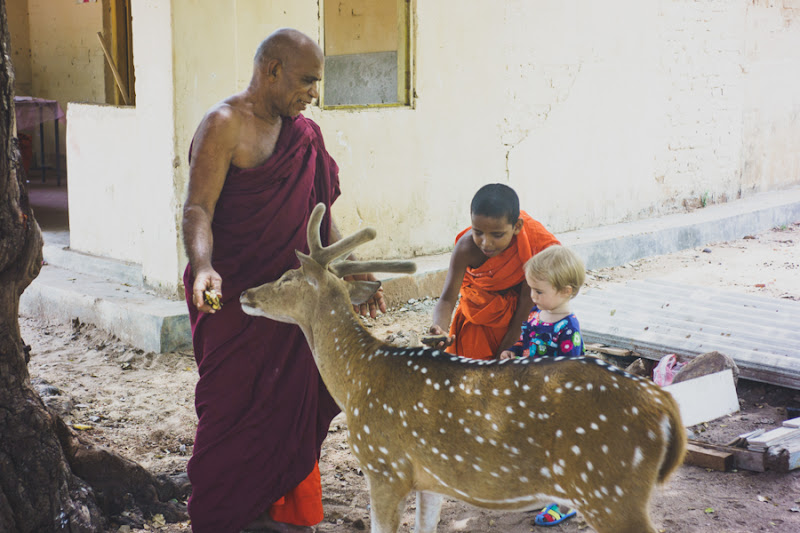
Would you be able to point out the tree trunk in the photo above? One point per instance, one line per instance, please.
(51, 480)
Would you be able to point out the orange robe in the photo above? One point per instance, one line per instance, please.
(489, 293)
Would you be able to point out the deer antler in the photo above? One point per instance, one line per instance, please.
(326, 255)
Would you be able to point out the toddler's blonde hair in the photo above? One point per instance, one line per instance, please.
(559, 266)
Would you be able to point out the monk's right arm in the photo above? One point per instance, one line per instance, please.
(212, 152)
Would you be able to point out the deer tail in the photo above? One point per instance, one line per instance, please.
(676, 442)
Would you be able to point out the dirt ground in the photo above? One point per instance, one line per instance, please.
(141, 405)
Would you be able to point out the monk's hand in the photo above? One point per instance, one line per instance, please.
(375, 303)
(507, 354)
(436, 331)
(207, 291)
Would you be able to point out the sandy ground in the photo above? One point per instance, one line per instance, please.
(141, 405)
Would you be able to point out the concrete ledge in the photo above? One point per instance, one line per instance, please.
(56, 252)
(618, 244)
(140, 319)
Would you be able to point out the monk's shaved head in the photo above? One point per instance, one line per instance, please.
(284, 45)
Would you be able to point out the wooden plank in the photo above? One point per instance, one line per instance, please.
(742, 459)
(708, 458)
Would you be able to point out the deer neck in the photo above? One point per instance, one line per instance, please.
(339, 342)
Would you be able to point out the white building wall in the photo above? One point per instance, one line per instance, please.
(595, 112)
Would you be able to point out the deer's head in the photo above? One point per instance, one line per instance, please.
(295, 296)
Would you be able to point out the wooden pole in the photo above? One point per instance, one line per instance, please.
(117, 77)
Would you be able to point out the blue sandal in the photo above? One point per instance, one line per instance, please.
(552, 515)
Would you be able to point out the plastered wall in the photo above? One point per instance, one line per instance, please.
(595, 113)
(19, 28)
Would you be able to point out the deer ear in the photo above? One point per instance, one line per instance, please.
(311, 268)
(361, 291)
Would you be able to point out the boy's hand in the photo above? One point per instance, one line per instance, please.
(507, 354)
(444, 340)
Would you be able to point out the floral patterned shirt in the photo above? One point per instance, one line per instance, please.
(546, 339)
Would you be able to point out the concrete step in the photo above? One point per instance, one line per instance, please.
(132, 314)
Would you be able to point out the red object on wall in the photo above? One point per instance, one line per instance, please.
(26, 150)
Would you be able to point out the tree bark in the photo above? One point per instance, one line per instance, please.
(52, 480)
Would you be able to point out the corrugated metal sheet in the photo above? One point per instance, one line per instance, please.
(657, 317)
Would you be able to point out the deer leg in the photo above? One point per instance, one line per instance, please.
(386, 505)
(429, 505)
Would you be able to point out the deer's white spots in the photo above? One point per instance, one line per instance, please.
(523, 479)
(333, 312)
(603, 418)
(559, 433)
(545, 472)
(607, 510)
(589, 466)
(423, 442)
(635, 410)
(651, 434)
(410, 362)
(559, 390)
(562, 462)
(618, 490)
(480, 439)
(495, 474)
(442, 431)
(522, 404)
(414, 433)
(558, 470)
(468, 431)
(421, 352)
(543, 398)
(371, 447)
(584, 477)
(603, 388)
(505, 469)
(576, 450)
(383, 450)
(509, 409)
(405, 424)
(355, 449)
(559, 488)
(495, 392)
(526, 388)
(589, 386)
(594, 426)
(604, 447)
(458, 458)
(638, 456)
(624, 428)
(493, 442)
(366, 430)
(424, 370)
(436, 386)
(487, 416)
(428, 381)
(568, 385)
(477, 467)
(415, 367)
(604, 490)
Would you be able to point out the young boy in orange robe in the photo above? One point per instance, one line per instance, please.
(486, 268)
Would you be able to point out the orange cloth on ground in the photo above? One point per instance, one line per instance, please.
(301, 506)
(489, 293)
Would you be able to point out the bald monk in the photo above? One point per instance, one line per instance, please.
(257, 169)
(486, 268)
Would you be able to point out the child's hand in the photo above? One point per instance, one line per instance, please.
(507, 354)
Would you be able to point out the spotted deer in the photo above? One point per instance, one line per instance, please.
(514, 434)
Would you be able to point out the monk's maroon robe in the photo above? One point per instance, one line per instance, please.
(263, 410)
